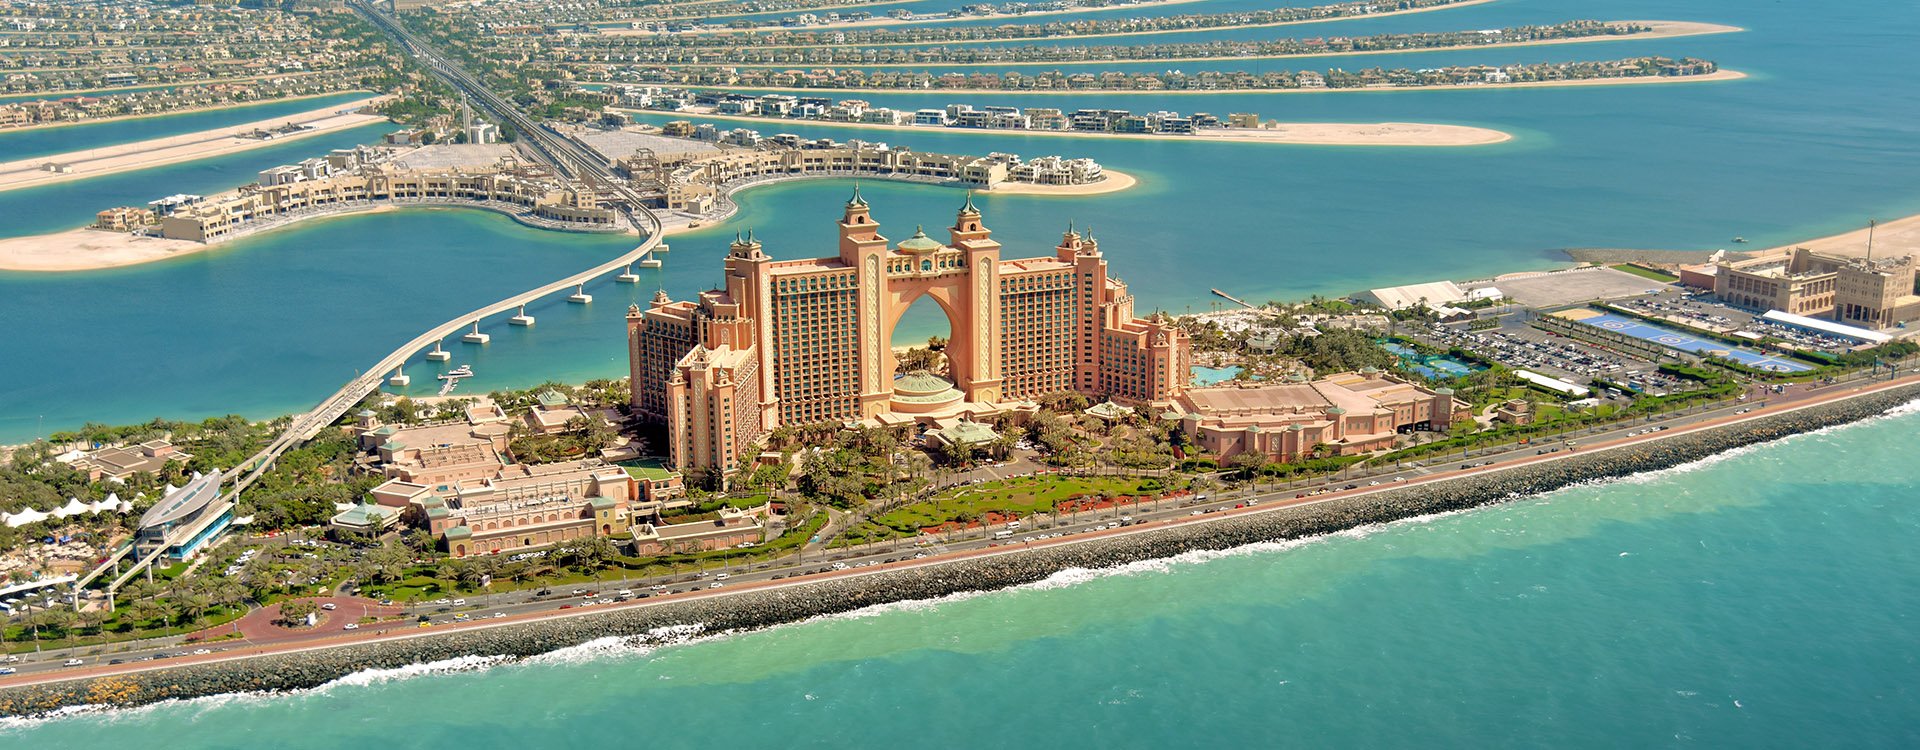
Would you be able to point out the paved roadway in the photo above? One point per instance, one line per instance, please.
(564, 154)
(520, 607)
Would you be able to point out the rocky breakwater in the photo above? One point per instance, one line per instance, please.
(791, 603)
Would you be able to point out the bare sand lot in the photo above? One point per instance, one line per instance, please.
(125, 157)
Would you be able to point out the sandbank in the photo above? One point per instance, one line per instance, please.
(1661, 30)
(1890, 239)
(127, 157)
(1429, 9)
(1722, 74)
(1297, 133)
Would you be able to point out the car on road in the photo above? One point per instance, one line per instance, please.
(579, 592)
(202, 651)
(721, 577)
(72, 662)
(459, 602)
(350, 626)
(498, 615)
(8, 670)
(117, 661)
(329, 606)
(714, 585)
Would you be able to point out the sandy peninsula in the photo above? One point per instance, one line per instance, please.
(1890, 239)
(170, 113)
(24, 173)
(88, 249)
(883, 21)
(1659, 30)
(1298, 133)
(1722, 74)
(1430, 9)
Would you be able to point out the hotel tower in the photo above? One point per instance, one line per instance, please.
(795, 342)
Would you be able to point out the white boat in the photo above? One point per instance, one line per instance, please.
(458, 372)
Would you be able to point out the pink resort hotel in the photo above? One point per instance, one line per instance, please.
(794, 342)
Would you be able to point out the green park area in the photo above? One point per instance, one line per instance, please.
(1022, 496)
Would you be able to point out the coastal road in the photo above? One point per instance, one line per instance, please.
(495, 610)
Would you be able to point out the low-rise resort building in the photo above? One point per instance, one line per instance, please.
(1339, 415)
(531, 193)
(454, 479)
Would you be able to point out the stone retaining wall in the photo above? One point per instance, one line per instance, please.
(798, 602)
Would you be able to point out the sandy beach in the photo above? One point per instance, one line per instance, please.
(1661, 30)
(1299, 133)
(88, 249)
(1722, 74)
(1890, 239)
(126, 157)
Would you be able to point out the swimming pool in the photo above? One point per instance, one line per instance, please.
(1435, 366)
(1687, 342)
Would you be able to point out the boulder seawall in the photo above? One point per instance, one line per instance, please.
(795, 602)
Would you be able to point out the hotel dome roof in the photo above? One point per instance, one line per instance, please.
(920, 243)
(922, 387)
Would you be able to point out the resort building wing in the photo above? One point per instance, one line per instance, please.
(1341, 414)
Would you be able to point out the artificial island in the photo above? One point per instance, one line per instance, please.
(774, 452)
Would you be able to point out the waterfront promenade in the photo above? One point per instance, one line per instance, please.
(1628, 444)
(126, 157)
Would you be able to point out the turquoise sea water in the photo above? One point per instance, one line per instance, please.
(1822, 137)
(1759, 599)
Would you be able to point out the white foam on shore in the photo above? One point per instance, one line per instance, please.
(681, 635)
(367, 677)
(628, 645)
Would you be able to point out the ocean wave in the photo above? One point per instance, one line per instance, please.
(628, 645)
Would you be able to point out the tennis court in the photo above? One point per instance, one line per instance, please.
(1685, 342)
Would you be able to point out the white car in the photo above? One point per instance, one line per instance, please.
(72, 663)
(350, 626)
(714, 585)
(720, 577)
(329, 606)
(459, 602)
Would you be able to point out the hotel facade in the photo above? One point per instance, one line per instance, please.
(794, 342)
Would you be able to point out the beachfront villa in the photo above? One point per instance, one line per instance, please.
(1343, 414)
(796, 342)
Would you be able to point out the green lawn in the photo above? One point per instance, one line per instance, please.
(1022, 496)
(1646, 273)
